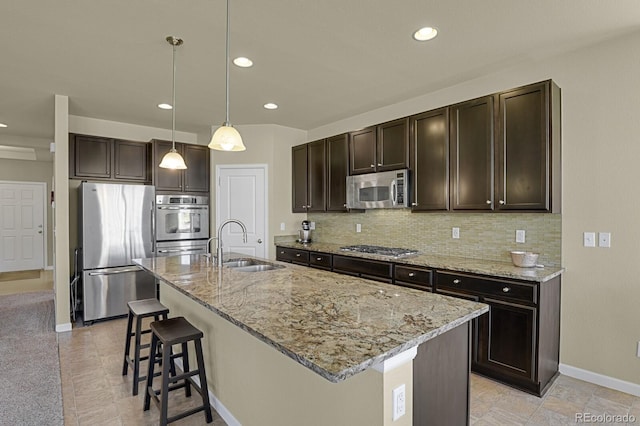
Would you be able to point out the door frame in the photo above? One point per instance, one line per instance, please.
(265, 168)
(45, 216)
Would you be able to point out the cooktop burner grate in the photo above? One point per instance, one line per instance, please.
(380, 250)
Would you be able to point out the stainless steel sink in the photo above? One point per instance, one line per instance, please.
(250, 265)
(258, 268)
(240, 263)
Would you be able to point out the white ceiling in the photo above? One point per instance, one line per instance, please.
(320, 60)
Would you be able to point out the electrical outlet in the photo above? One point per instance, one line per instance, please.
(455, 233)
(604, 239)
(282, 226)
(589, 239)
(638, 350)
(312, 226)
(520, 236)
(358, 227)
(399, 402)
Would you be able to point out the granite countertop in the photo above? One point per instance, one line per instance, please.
(449, 263)
(334, 324)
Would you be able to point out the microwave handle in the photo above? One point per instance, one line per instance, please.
(394, 192)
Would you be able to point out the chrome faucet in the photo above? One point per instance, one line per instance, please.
(219, 238)
(209, 246)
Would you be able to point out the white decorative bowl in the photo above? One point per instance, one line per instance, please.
(524, 259)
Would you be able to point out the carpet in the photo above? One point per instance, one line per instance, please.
(30, 390)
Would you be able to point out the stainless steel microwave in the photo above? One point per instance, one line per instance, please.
(384, 190)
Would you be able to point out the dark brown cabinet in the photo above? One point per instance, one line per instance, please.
(309, 177)
(380, 148)
(100, 158)
(412, 276)
(471, 145)
(527, 148)
(194, 179)
(320, 260)
(430, 160)
(517, 341)
(364, 268)
(337, 171)
(292, 255)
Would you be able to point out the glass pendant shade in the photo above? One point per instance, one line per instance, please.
(173, 160)
(226, 138)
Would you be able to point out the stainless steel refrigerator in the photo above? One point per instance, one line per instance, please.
(116, 225)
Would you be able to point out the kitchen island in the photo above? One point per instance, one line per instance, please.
(342, 344)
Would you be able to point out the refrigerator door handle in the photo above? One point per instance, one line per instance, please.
(153, 227)
(117, 271)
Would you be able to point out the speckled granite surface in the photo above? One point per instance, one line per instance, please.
(457, 264)
(336, 325)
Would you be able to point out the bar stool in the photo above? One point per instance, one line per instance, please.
(140, 309)
(169, 332)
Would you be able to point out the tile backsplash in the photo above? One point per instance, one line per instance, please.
(487, 236)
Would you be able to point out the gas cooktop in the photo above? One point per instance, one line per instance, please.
(394, 252)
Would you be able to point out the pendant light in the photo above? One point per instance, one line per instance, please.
(173, 160)
(226, 138)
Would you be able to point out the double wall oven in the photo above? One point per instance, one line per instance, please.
(182, 224)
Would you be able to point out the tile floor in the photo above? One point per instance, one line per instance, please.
(95, 393)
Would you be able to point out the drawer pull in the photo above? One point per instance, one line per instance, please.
(411, 274)
(281, 252)
(506, 289)
(297, 254)
(318, 258)
(456, 281)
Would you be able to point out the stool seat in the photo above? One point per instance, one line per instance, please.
(173, 331)
(170, 332)
(147, 307)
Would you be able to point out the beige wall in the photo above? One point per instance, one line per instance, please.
(271, 145)
(33, 171)
(600, 107)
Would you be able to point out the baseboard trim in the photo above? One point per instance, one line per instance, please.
(61, 328)
(215, 402)
(600, 379)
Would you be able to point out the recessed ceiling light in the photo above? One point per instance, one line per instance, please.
(3, 125)
(165, 106)
(243, 62)
(270, 105)
(424, 34)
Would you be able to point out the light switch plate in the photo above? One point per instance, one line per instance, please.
(358, 227)
(589, 239)
(455, 233)
(312, 226)
(604, 239)
(520, 236)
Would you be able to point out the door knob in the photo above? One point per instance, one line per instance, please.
(259, 240)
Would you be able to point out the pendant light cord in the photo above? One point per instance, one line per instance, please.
(173, 109)
(226, 123)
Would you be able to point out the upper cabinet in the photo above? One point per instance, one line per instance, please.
(380, 148)
(337, 171)
(528, 148)
(100, 158)
(309, 177)
(472, 138)
(430, 160)
(196, 176)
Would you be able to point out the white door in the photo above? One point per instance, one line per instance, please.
(21, 226)
(241, 195)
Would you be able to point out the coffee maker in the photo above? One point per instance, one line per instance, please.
(305, 233)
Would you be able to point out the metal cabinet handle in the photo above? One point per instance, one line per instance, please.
(373, 165)
(39, 232)
(282, 252)
(488, 201)
(344, 205)
(379, 164)
(506, 289)
(456, 281)
(318, 258)
(414, 204)
(411, 274)
(297, 254)
(502, 202)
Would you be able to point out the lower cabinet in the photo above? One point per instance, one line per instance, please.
(291, 255)
(518, 340)
(364, 268)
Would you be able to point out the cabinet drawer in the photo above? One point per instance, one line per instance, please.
(292, 255)
(320, 260)
(497, 288)
(370, 268)
(417, 276)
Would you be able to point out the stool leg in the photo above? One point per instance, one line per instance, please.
(164, 396)
(204, 390)
(127, 345)
(150, 372)
(136, 361)
(185, 364)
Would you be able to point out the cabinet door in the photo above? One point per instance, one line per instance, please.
(316, 176)
(92, 157)
(131, 161)
(196, 177)
(507, 338)
(337, 171)
(522, 149)
(362, 151)
(166, 179)
(430, 140)
(472, 154)
(393, 145)
(299, 183)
